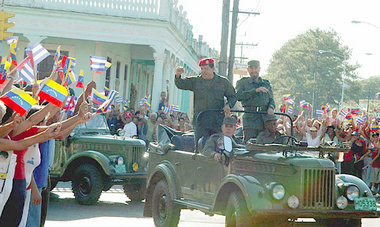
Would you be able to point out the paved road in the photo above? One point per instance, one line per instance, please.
(115, 209)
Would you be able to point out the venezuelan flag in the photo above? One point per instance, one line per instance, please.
(286, 97)
(349, 117)
(67, 68)
(374, 128)
(80, 79)
(53, 92)
(98, 98)
(106, 90)
(18, 100)
(12, 54)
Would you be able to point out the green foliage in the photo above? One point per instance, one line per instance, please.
(369, 88)
(318, 54)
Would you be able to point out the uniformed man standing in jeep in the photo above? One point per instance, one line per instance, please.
(209, 91)
(255, 94)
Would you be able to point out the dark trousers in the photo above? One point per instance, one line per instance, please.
(348, 167)
(207, 125)
(13, 209)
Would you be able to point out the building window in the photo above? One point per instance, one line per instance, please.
(108, 73)
(118, 70)
(45, 67)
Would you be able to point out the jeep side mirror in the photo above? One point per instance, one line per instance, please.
(227, 144)
(120, 132)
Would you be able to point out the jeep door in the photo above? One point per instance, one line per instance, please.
(184, 164)
(208, 177)
(60, 157)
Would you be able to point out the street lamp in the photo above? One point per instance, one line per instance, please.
(364, 22)
(344, 69)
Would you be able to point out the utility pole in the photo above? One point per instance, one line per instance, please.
(241, 49)
(231, 59)
(235, 11)
(224, 37)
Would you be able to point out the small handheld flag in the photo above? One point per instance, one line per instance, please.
(290, 110)
(282, 108)
(119, 100)
(70, 105)
(57, 55)
(104, 107)
(39, 52)
(99, 64)
(319, 112)
(286, 97)
(53, 92)
(343, 113)
(106, 90)
(26, 69)
(165, 109)
(80, 79)
(18, 100)
(175, 108)
(97, 97)
(12, 42)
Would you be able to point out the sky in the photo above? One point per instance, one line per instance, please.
(282, 20)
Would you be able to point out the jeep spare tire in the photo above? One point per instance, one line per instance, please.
(87, 184)
(165, 212)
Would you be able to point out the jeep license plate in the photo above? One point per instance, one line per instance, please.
(365, 204)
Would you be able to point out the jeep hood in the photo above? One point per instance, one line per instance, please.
(301, 160)
(109, 139)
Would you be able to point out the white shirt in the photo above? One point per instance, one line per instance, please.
(310, 141)
(130, 130)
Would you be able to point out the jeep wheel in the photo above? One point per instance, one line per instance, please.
(87, 184)
(340, 222)
(165, 212)
(135, 192)
(237, 214)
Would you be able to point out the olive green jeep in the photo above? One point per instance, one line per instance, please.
(255, 185)
(94, 161)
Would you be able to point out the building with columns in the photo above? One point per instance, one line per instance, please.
(144, 39)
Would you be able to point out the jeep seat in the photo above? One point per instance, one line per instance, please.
(183, 143)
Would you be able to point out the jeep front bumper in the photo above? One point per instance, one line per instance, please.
(319, 214)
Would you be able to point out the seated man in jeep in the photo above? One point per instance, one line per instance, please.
(270, 134)
(215, 144)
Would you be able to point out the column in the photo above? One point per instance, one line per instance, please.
(159, 57)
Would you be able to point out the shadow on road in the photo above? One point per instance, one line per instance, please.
(67, 209)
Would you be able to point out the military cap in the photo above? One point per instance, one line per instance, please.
(270, 117)
(229, 120)
(205, 61)
(253, 63)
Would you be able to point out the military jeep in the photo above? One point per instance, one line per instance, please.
(94, 161)
(259, 185)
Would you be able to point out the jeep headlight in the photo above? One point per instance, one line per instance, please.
(352, 192)
(278, 191)
(293, 202)
(146, 155)
(341, 202)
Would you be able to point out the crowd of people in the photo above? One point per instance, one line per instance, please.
(142, 123)
(27, 143)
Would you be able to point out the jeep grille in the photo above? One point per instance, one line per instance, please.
(136, 154)
(318, 188)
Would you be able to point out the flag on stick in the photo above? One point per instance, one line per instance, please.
(18, 100)
(99, 64)
(53, 92)
(80, 79)
(175, 108)
(70, 105)
(39, 52)
(97, 97)
(26, 69)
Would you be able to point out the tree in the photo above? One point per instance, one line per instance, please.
(314, 54)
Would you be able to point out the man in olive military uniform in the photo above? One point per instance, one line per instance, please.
(215, 144)
(255, 94)
(270, 134)
(209, 91)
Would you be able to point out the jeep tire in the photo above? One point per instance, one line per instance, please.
(237, 214)
(165, 212)
(87, 184)
(135, 192)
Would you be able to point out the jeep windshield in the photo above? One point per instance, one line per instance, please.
(97, 125)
